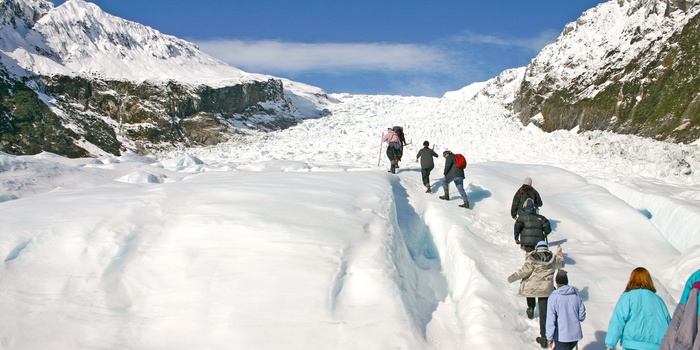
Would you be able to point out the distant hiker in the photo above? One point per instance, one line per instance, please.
(426, 156)
(536, 282)
(402, 138)
(453, 173)
(640, 318)
(394, 149)
(530, 228)
(565, 312)
(524, 192)
(683, 332)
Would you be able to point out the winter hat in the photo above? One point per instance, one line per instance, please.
(561, 278)
(541, 245)
(529, 205)
(528, 181)
(446, 153)
(426, 143)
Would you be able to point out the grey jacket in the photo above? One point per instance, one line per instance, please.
(426, 158)
(537, 273)
(683, 332)
(451, 169)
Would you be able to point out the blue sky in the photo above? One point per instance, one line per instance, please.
(405, 47)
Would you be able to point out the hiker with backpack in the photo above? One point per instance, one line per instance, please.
(524, 192)
(530, 227)
(565, 312)
(536, 283)
(426, 156)
(394, 149)
(402, 140)
(454, 172)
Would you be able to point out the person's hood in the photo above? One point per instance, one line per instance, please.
(565, 290)
(543, 257)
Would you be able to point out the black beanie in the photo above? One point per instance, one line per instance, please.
(561, 278)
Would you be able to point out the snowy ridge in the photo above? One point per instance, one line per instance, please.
(77, 38)
(604, 39)
(501, 89)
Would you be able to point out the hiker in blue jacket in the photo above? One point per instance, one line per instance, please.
(640, 318)
(565, 312)
(453, 173)
(683, 331)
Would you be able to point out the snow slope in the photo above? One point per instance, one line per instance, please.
(298, 239)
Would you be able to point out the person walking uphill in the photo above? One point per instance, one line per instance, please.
(393, 151)
(530, 228)
(524, 192)
(453, 173)
(426, 156)
(565, 312)
(640, 318)
(536, 282)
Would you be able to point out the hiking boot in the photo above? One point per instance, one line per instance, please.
(428, 189)
(543, 342)
(465, 205)
(530, 312)
(446, 197)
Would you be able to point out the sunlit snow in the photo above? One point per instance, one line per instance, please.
(300, 239)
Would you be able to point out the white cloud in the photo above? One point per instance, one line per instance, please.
(534, 44)
(299, 57)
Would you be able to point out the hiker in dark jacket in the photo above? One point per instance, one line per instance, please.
(426, 156)
(524, 192)
(536, 282)
(530, 228)
(453, 173)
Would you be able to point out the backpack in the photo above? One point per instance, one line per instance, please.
(525, 198)
(399, 131)
(460, 161)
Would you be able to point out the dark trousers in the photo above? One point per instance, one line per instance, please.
(564, 346)
(542, 306)
(394, 155)
(425, 173)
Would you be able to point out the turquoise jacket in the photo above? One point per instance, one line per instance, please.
(639, 321)
(695, 277)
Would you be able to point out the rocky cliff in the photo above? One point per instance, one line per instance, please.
(628, 66)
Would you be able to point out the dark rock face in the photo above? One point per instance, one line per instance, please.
(118, 115)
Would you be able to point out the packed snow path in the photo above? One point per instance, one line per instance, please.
(297, 240)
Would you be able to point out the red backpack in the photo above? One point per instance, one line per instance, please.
(460, 161)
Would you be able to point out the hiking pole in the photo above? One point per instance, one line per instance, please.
(379, 159)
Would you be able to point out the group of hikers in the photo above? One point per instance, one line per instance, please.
(640, 319)
(453, 171)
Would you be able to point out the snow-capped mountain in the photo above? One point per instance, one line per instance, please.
(119, 85)
(628, 66)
